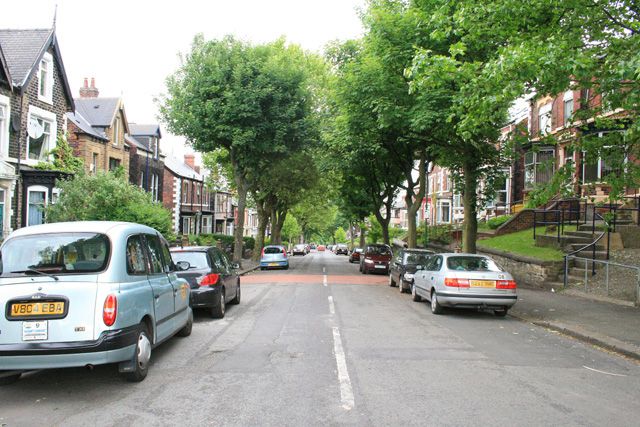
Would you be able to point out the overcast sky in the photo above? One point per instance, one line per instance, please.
(131, 46)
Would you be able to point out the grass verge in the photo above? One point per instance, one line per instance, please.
(521, 243)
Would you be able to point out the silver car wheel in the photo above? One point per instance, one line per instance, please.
(401, 284)
(144, 351)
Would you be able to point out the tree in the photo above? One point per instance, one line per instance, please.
(340, 236)
(291, 229)
(254, 102)
(107, 197)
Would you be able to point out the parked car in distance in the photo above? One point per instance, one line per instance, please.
(88, 293)
(330, 248)
(300, 249)
(355, 255)
(213, 279)
(404, 265)
(321, 248)
(274, 256)
(375, 258)
(341, 249)
(465, 281)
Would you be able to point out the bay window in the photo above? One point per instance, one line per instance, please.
(41, 132)
(539, 167)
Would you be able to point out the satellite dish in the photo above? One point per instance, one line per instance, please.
(35, 129)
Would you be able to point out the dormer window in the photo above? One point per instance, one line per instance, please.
(45, 79)
(155, 148)
(116, 131)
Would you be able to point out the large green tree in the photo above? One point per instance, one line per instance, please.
(254, 102)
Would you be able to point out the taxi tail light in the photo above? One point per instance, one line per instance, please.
(505, 284)
(262, 253)
(209, 279)
(284, 252)
(110, 310)
(456, 283)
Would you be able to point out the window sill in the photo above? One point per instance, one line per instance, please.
(46, 100)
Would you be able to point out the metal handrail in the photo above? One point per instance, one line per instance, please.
(591, 245)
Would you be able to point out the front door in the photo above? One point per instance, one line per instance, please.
(163, 294)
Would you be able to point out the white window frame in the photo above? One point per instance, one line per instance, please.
(439, 209)
(36, 189)
(116, 131)
(544, 111)
(53, 132)
(186, 224)
(207, 222)
(5, 118)
(566, 99)
(47, 97)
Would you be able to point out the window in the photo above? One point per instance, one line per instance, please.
(538, 167)
(457, 200)
(94, 163)
(2, 205)
(37, 200)
(186, 225)
(41, 129)
(136, 262)
(55, 195)
(568, 107)
(471, 263)
(116, 131)
(206, 224)
(185, 191)
(156, 186)
(198, 195)
(595, 170)
(501, 191)
(113, 164)
(156, 260)
(4, 125)
(142, 180)
(544, 119)
(156, 149)
(45, 79)
(443, 214)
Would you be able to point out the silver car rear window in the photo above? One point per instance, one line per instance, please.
(471, 263)
(59, 253)
(195, 259)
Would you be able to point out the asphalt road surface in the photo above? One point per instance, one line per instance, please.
(321, 344)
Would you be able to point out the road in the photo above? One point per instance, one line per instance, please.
(321, 344)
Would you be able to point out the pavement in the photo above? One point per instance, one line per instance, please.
(613, 326)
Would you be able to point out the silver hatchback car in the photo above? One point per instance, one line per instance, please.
(465, 281)
(88, 293)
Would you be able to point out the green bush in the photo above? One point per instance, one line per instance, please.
(249, 243)
(435, 233)
(496, 222)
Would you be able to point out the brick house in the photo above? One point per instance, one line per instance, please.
(443, 204)
(97, 129)
(187, 196)
(34, 100)
(225, 213)
(146, 162)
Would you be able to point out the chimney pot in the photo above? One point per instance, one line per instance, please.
(86, 82)
(189, 159)
(93, 82)
(89, 92)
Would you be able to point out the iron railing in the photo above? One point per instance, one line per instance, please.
(607, 266)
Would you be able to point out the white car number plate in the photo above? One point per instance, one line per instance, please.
(381, 266)
(35, 331)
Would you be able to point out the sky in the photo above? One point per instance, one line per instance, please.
(130, 47)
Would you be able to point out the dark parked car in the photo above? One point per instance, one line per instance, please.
(355, 255)
(404, 266)
(341, 249)
(376, 258)
(213, 279)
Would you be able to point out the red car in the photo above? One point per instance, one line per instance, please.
(321, 248)
(355, 255)
(376, 258)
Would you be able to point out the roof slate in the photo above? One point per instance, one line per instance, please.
(181, 169)
(22, 48)
(144, 130)
(98, 112)
(140, 146)
(86, 127)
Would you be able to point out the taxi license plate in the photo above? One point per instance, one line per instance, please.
(482, 283)
(35, 331)
(273, 264)
(35, 309)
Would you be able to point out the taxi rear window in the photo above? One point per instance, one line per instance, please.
(59, 253)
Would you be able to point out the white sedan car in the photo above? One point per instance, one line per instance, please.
(464, 281)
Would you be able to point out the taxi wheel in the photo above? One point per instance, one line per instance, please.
(9, 379)
(186, 330)
(142, 357)
(501, 313)
(217, 312)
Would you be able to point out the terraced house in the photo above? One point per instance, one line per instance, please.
(34, 100)
(146, 164)
(97, 130)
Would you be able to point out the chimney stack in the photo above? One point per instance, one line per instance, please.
(190, 160)
(87, 91)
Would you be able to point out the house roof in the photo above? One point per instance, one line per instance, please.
(99, 112)
(84, 125)
(145, 130)
(134, 142)
(23, 50)
(4, 69)
(181, 169)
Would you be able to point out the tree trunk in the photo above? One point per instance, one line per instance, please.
(414, 201)
(470, 230)
(352, 230)
(263, 221)
(363, 237)
(277, 221)
(242, 201)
